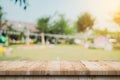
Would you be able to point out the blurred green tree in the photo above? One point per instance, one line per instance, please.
(61, 27)
(2, 23)
(10, 28)
(85, 21)
(43, 24)
(43, 27)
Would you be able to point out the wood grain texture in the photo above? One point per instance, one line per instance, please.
(59, 78)
(59, 68)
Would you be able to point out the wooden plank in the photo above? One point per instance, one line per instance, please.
(38, 68)
(53, 68)
(115, 65)
(60, 78)
(3, 64)
(17, 68)
(59, 68)
(73, 68)
(96, 68)
(66, 68)
(79, 68)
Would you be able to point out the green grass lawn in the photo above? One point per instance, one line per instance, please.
(62, 52)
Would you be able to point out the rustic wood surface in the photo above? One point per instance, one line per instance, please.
(60, 78)
(60, 68)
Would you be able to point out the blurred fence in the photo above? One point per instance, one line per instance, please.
(46, 34)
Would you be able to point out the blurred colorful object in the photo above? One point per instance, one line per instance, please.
(2, 49)
(3, 39)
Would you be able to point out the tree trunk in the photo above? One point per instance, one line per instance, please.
(27, 39)
(0, 24)
(42, 38)
(7, 36)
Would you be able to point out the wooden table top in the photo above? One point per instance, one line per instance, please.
(59, 67)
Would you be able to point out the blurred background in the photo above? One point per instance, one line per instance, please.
(59, 30)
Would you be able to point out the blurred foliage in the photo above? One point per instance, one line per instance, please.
(70, 41)
(10, 28)
(116, 35)
(116, 18)
(58, 27)
(2, 23)
(43, 24)
(85, 21)
(61, 27)
(22, 2)
(101, 32)
(1, 12)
